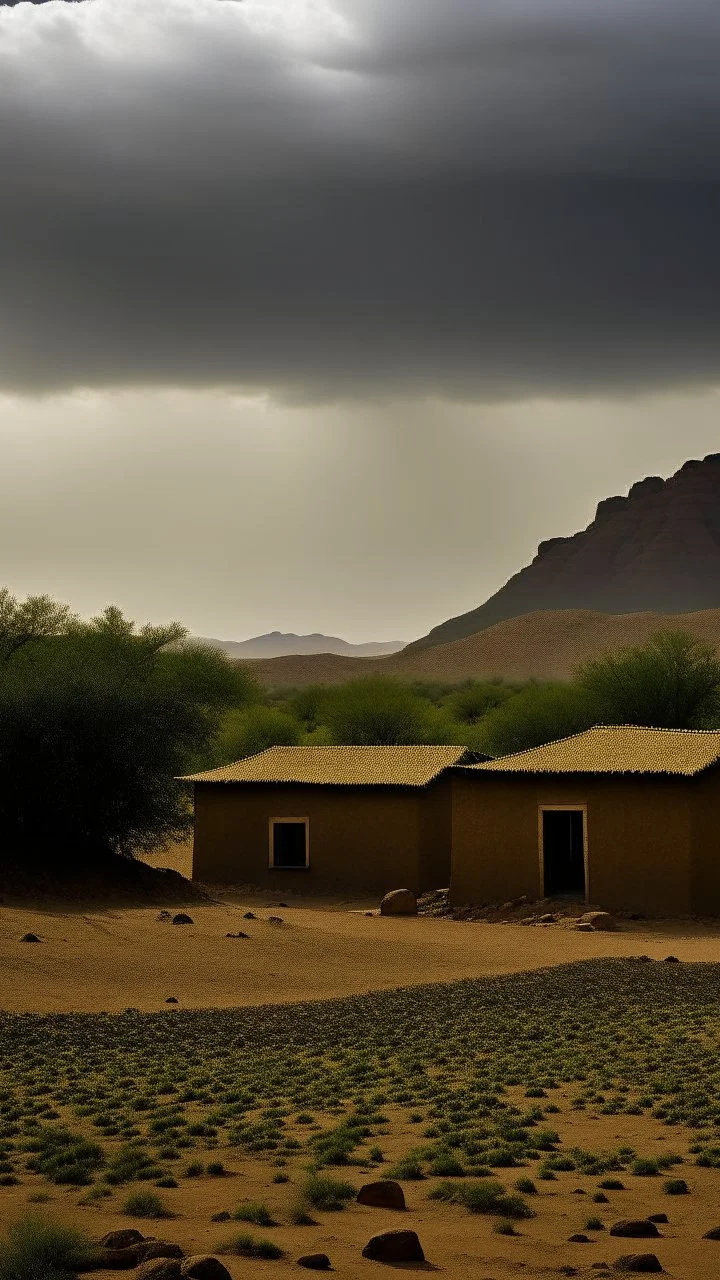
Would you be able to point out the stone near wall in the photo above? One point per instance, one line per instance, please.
(203, 1266)
(636, 1228)
(394, 1246)
(159, 1269)
(399, 902)
(602, 921)
(383, 1195)
(121, 1239)
(637, 1262)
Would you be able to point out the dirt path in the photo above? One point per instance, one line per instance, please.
(116, 959)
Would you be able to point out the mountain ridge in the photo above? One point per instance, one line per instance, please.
(276, 644)
(656, 549)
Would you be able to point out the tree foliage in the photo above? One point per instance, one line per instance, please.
(376, 710)
(96, 719)
(672, 682)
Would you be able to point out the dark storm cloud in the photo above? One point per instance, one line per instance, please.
(463, 197)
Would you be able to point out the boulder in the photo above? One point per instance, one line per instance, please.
(394, 1246)
(182, 918)
(121, 1239)
(635, 1228)
(314, 1261)
(712, 1234)
(601, 921)
(579, 1238)
(203, 1266)
(29, 937)
(383, 1195)
(637, 1262)
(159, 1269)
(672, 960)
(399, 902)
(657, 1217)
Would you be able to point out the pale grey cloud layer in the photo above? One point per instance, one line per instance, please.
(481, 198)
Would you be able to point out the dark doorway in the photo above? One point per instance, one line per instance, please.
(563, 853)
(289, 844)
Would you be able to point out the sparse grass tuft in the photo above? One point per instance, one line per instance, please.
(145, 1204)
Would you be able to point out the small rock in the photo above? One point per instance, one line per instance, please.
(399, 902)
(239, 934)
(275, 920)
(163, 915)
(712, 1234)
(634, 1228)
(182, 918)
(249, 915)
(157, 1249)
(579, 1191)
(29, 937)
(222, 1216)
(282, 904)
(394, 1246)
(672, 960)
(314, 1261)
(602, 921)
(548, 918)
(121, 1239)
(159, 1269)
(383, 1195)
(657, 1217)
(579, 1238)
(585, 928)
(204, 1267)
(172, 1000)
(637, 1262)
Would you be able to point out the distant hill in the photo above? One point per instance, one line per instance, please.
(278, 644)
(657, 549)
(544, 645)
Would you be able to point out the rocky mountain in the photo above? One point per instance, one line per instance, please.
(656, 549)
(277, 644)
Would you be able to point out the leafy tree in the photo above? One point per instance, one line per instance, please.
(245, 732)
(540, 713)
(672, 682)
(96, 719)
(471, 703)
(379, 711)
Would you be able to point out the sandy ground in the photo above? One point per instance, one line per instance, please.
(456, 1244)
(114, 959)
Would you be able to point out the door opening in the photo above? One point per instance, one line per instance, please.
(563, 853)
(289, 842)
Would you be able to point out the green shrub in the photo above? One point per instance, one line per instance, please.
(505, 1228)
(36, 1249)
(245, 1245)
(645, 1167)
(612, 1184)
(259, 1214)
(675, 1187)
(527, 1186)
(594, 1224)
(145, 1204)
(299, 1211)
(446, 1166)
(324, 1192)
(408, 1170)
(195, 1169)
(63, 1157)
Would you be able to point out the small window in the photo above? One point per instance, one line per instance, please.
(289, 846)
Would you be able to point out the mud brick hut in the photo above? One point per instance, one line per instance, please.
(327, 818)
(624, 817)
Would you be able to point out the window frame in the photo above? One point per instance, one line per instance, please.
(272, 822)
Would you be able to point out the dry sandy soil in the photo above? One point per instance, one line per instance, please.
(114, 959)
(547, 644)
(456, 1244)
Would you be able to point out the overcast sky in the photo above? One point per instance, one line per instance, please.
(320, 315)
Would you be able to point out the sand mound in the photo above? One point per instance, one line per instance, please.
(121, 882)
(544, 645)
